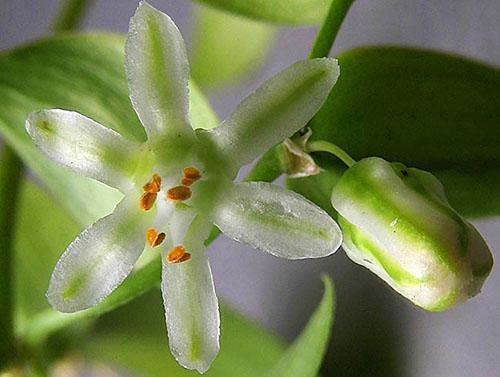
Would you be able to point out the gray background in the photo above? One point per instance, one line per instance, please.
(377, 332)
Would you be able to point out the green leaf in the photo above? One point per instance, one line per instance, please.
(43, 230)
(425, 109)
(11, 171)
(226, 47)
(287, 12)
(135, 339)
(84, 73)
(304, 357)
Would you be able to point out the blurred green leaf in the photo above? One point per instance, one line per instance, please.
(83, 73)
(426, 109)
(135, 338)
(226, 47)
(304, 357)
(286, 12)
(43, 230)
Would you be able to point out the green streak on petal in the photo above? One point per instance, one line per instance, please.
(45, 127)
(427, 194)
(378, 200)
(75, 285)
(365, 245)
(157, 66)
(118, 159)
(195, 349)
(272, 114)
(268, 218)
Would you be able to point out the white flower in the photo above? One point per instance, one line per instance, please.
(180, 182)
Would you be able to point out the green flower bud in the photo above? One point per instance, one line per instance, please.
(398, 223)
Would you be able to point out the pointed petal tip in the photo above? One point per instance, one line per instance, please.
(330, 66)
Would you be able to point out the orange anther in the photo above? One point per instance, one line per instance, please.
(147, 200)
(154, 185)
(154, 238)
(177, 255)
(179, 193)
(191, 173)
(187, 181)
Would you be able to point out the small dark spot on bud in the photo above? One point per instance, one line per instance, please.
(404, 172)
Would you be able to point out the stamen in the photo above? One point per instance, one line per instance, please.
(147, 200)
(154, 238)
(154, 185)
(187, 181)
(178, 254)
(192, 173)
(179, 193)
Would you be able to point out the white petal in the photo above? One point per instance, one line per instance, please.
(99, 259)
(278, 221)
(191, 308)
(157, 71)
(280, 107)
(84, 146)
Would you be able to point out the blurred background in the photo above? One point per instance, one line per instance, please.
(376, 332)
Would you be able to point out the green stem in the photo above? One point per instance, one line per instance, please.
(325, 146)
(11, 170)
(330, 28)
(70, 15)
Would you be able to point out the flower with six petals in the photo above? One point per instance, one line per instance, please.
(180, 182)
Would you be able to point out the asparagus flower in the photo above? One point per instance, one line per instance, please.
(180, 182)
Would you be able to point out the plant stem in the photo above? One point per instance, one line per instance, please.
(330, 28)
(70, 15)
(325, 146)
(11, 170)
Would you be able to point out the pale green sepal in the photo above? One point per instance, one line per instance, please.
(278, 221)
(84, 146)
(157, 71)
(397, 222)
(99, 259)
(191, 306)
(277, 109)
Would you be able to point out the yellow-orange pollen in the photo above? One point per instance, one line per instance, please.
(154, 238)
(179, 193)
(178, 254)
(151, 189)
(190, 176)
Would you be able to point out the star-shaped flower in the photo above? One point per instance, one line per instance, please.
(180, 182)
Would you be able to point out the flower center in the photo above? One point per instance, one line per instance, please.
(180, 193)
